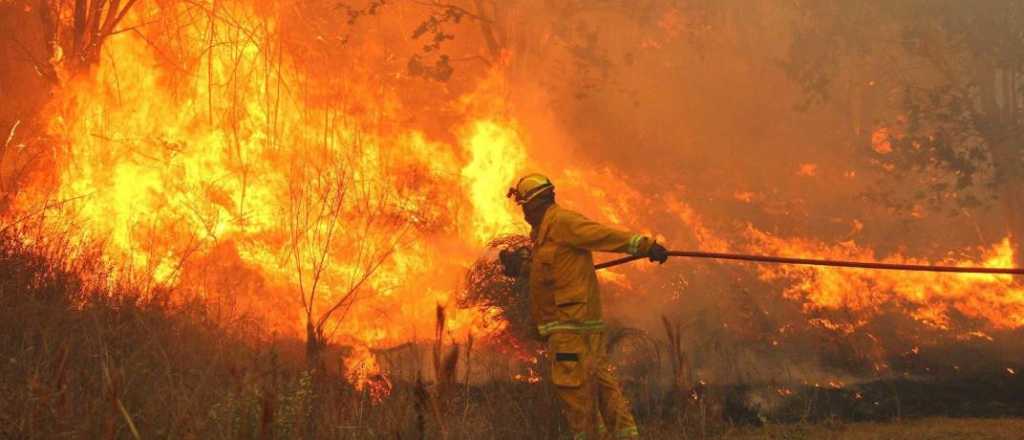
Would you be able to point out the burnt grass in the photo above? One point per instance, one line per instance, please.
(81, 359)
(994, 395)
(982, 395)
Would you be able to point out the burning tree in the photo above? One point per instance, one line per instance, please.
(487, 288)
(341, 229)
(76, 42)
(67, 37)
(342, 226)
(48, 43)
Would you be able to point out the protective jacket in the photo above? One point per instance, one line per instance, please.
(563, 285)
(566, 306)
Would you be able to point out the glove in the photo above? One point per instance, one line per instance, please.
(658, 253)
(512, 261)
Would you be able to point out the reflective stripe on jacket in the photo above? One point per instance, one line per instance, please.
(563, 285)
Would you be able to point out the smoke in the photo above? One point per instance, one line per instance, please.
(685, 123)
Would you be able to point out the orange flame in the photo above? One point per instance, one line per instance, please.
(931, 298)
(238, 159)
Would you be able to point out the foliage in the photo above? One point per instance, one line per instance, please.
(947, 78)
(487, 288)
(434, 30)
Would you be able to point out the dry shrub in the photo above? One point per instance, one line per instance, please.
(487, 287)
(81, 356)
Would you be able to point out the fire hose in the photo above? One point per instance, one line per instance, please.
(822, 262)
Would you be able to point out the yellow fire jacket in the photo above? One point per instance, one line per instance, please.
(564, 296)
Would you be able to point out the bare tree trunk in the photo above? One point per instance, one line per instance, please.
(314, 349)
(92, 23)
(487, 29)
(1010, 174)
(1001, 130)
(1013, 205)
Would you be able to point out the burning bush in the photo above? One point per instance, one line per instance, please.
(487, 288)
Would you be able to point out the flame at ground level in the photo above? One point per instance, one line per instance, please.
(936, 299)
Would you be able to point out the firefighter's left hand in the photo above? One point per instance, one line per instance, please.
(658, 253)
(512, 261)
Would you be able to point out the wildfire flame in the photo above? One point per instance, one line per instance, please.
(928, 297)
(236, 160)
(216, 160)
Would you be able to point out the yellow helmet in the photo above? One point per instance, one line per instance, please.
(529, 187)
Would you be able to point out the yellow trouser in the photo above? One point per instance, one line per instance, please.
(583, 377)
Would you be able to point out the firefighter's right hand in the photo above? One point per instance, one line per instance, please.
(512, 261)
(658, 253)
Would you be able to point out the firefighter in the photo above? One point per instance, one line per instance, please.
(566, 305)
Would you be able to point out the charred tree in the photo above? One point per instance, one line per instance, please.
(76, 40)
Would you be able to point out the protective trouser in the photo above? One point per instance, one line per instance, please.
(587, 386)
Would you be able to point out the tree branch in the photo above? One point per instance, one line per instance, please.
(460, 10)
